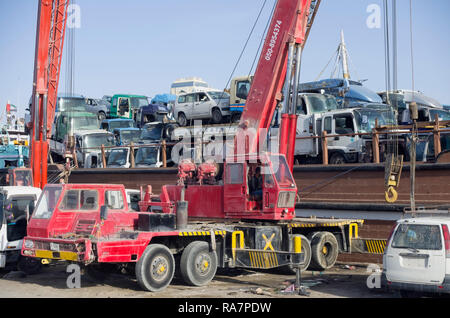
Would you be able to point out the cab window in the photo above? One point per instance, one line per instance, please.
(114, 199)
(242, 89)
(182, 99)
(235, 173)
(80, 200)
(344, 124)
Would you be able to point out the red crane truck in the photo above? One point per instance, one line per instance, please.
(205, 221)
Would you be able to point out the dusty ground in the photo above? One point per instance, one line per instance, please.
(340, 282)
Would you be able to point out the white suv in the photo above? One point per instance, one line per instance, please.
(213, 105)
(417, 257)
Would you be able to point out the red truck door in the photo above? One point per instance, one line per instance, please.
(235, 187)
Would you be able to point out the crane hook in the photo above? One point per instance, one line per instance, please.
(391, 195)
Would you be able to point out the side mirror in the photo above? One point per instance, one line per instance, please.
(103, 212)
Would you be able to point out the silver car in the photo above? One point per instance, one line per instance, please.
(211, 105)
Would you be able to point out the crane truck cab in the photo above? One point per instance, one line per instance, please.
(16, 205)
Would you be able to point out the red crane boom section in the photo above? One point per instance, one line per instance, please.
(51, 23)
(289, 24)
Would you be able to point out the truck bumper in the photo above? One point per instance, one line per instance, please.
(68, 250)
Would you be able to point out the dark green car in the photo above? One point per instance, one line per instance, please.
(126, 106)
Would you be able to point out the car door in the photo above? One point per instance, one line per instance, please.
(202, 105)
(124, 107)
(416, 254)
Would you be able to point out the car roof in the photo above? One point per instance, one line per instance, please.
(426, 220)
(21, 190)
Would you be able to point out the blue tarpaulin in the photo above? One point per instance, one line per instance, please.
(163, 99)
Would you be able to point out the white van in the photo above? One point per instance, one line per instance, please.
(417, 257)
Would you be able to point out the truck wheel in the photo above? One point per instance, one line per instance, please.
(216, 116)
(235, 118)
(155, 268)
(29, 265)
(337, 159)
(182, 120)
(198, 264)
(325, 250)
(306, 250)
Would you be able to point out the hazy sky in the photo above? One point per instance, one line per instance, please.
(142, 46)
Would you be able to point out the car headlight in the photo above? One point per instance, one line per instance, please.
(28, 244)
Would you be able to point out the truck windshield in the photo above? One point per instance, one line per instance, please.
(152, 132)
(128, 136)
(219, 95)
(442, 114)
(282, 172)
(97, 140)
(365, 119)
(71, 104)
(120, 124)
(147, 156)
(320, 103)
(138, 102)
(417, 236)
(117, 157)
(85, 123)
(47, 202)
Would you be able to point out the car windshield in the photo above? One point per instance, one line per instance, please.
(117, 157)
(321, 103)
(23, 177)
(71, 104)
(120, 124)
(417, 236)
(47, 202)
(152, 132)
(282, 172)
(97, 140)
(219, 95)
(128, 136)
(147, 156)
(137, 102)
(85, 123)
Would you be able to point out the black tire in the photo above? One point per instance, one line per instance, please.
(216, 116)
(198, 265)
(337, 159)
(101, 116)
(29, 265)
(155, 269)
(236, 117)
(306, 249)
(182, 120)
(325, 250)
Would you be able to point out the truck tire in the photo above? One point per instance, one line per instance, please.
(182, 120)
(306, 249)
(29, 265)
(198, 265)
(216, 116)
(325, 250)
(155, 268)
(337, 159)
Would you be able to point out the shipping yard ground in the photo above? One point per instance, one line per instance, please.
(342, 281)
